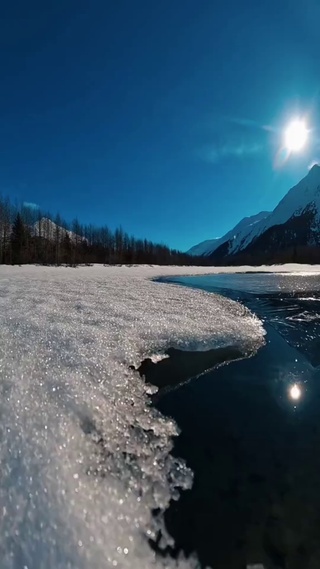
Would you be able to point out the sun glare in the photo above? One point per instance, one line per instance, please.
(296, 135)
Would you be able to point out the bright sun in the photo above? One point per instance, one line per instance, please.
(295, 136)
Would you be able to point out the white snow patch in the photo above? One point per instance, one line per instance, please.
(156, 358)
(84, 459)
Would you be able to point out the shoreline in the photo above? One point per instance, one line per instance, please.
(182, 366)
(251, 450)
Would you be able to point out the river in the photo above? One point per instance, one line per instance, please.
(250, 431)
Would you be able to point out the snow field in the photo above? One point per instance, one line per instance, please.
(84, 457)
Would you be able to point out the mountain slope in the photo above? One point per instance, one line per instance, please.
(242, 228)
(48, 229)
(290, 233)
(302, 200)
(205, 247)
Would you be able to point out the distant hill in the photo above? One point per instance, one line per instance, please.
(46, 228)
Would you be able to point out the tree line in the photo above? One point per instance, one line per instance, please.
(28, 235)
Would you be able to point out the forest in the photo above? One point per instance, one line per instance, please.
(29, 236)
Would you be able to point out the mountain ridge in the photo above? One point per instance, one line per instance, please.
(289, 232)
(210, 245)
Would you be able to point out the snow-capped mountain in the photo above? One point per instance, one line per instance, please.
(46, 228)
(205, 247)
(291, 232)
(302, 200)
(242, 228)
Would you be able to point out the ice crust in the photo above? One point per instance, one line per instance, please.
(84, 457)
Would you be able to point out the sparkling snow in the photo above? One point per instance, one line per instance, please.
(84, 458)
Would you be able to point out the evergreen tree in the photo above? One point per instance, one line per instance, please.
(19, 238)
(58, 236)
(67, 249)
(32, 237)
(5, 230)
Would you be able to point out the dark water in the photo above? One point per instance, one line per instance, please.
(255, 451)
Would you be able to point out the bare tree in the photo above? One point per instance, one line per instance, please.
(29, 236)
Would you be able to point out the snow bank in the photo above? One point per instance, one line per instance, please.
(84, 459)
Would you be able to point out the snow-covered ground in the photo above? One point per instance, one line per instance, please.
(84, 458)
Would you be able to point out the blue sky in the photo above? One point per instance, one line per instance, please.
(152, 114)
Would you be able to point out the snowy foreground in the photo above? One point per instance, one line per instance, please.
(84, 458)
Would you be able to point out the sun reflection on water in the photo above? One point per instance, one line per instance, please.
(295, 392)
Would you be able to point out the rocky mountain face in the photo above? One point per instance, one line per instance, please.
(291, 233)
